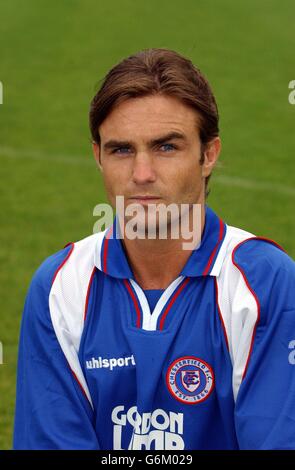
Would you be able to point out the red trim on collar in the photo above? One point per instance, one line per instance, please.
(137, 309)
(220, 237)
(174, 297)
(105, 249)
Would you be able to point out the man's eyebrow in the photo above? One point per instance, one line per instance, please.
(111, 144)
(169, 136)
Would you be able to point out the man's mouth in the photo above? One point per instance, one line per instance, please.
(142, 198)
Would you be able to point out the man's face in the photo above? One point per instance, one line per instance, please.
(150, 147)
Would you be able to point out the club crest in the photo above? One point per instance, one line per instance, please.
(190, 380)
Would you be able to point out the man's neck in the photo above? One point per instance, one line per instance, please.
(156, 262)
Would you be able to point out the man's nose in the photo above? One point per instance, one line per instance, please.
(143, 170)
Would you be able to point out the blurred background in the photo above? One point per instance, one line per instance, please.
(52, 58)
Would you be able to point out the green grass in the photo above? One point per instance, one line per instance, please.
(52, 55)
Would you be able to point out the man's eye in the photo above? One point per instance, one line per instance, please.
(121, 150)
(167, 147)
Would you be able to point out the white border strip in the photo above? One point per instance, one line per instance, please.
(150, 319)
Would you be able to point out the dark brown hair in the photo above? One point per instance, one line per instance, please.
(154, 71)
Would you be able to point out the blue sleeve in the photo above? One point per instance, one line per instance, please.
(51, 410)
(265, 406)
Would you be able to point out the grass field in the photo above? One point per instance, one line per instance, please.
(53, 54)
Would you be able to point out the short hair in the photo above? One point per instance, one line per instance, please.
(157, 71)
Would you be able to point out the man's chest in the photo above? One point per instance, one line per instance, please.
(179, 369)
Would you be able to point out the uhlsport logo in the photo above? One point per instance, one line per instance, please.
(190, 380)
(111, 364)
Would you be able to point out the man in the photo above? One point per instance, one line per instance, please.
(138, 343)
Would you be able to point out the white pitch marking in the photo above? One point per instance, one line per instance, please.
(243, 183)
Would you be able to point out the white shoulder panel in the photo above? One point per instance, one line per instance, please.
(67, 300)
(237, 306)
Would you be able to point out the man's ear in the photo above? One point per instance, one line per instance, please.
(97, 154)
(211, 155)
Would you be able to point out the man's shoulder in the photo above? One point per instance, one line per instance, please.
(84, 249)
(259, 260)
(255, 271)
(44, 274)
(257, 253)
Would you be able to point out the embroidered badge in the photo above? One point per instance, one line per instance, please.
(190, 380)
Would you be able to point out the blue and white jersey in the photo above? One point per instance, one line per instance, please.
(211, 366)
